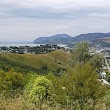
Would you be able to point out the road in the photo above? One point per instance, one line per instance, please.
(106, 62)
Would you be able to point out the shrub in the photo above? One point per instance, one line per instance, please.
(39, 90)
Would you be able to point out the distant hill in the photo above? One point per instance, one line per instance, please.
(68, 40)
(56, 39)
(104, 42)
(90, 36)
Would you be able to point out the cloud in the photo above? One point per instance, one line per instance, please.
(57, 3)
(51, 8)
(28, 19)
(99, 15)
(23, 29)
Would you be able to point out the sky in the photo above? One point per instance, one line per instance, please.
(26, 20)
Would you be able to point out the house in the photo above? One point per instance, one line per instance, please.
(103, 74)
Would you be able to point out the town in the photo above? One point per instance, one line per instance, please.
(41, 49)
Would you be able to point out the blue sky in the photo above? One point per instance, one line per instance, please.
(25, 20)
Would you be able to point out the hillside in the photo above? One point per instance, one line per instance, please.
(68, 40)
(41, 63)
(104, 42)
(90, 36)
(55, 39)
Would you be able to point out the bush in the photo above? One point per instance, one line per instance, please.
(38, 91)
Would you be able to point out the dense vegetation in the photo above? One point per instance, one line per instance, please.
(77, 88)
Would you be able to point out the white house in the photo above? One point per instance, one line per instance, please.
(103, 74)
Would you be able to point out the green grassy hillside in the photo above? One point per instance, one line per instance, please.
(50, 62)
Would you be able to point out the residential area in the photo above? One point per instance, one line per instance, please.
(41, 49)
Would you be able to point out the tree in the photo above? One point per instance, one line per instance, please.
(77, 88)
(11, 79)
(86, 85)
(82, 55)
(61, 87)
(81, 52)
(11, 82)
(15, 79)
(97, 61)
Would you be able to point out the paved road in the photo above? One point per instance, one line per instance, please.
(108, 67)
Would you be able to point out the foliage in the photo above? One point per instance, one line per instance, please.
(7, 64)
(108, 77)
(11, 81)
(59, 85)
(97, 61)
(107, 99)
(78, 88)
(81, 52)
(86, 85)
(38, 90)
(81, 55)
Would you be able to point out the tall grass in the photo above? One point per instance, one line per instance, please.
(19, 103)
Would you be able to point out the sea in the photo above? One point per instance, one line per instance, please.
(17, 44)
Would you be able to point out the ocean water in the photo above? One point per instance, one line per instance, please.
(8, 44)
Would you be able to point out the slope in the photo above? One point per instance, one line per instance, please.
(44, 63)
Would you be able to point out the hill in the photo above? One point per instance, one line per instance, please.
(40, 63)
(55, 39)
(68, 40)
(104, 42)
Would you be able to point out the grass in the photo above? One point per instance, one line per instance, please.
(19, 103)
(53, 60)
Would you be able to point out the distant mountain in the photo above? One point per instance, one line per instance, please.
(56, 39)
(104, 42)
(90, 36)
(68, 40)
